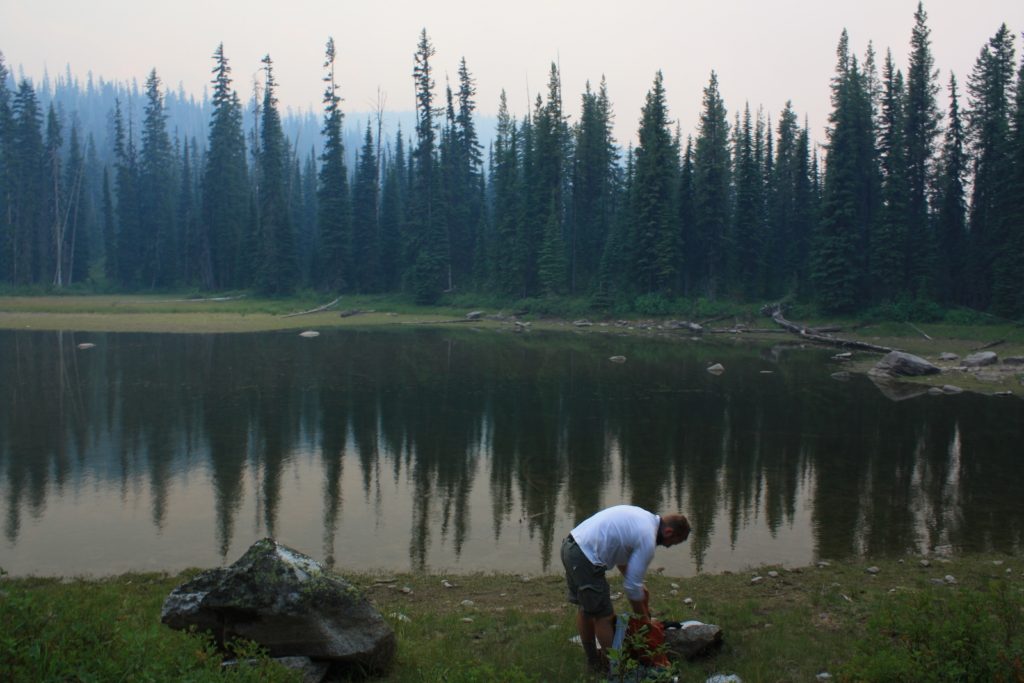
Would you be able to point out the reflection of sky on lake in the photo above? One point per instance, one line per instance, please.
(465, 452)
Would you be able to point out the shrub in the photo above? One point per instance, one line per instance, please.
(957, 636)
(653, 304)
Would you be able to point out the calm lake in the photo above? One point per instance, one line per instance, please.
(456, 450)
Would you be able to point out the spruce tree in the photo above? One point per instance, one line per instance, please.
(276, 269)
(392, 216)
(52, 242)
(78, 249)
(850, 201)
(951, 208)
(594, 165)
(6, 180)
(428, 232)
(990, 89)
(161, 242)
(892, 247)
(127, 239)
(711, 193)
(505, 184)
(1008, 274)
(333, 208)
(365, 231)
(656, 162)
(26, 162)
(110, 268)
(688, 244)
(921, 126)
(744, 244)
(225, 187)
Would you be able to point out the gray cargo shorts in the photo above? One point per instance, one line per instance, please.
(585, 583)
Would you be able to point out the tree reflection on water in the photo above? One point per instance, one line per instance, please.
(444, 433)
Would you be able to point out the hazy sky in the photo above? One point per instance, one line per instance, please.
(764, 51)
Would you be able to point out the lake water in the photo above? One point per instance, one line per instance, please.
(456, 450)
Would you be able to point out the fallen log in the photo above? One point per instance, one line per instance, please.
(313, 310)
(989, 345)
(775, 311)
(919, 331)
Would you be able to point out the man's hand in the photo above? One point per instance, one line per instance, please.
(641, 608)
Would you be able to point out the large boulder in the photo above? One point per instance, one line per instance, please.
(901, 364)
(289, 604)
(692, 639)
(981, 359)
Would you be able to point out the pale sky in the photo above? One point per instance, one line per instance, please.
(764, 51)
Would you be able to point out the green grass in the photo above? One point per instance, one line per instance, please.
(898, 625)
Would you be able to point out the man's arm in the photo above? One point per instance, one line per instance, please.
(633, 580)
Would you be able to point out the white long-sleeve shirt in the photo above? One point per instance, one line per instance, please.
(621, 535)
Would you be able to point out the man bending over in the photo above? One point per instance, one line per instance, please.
(622, 536)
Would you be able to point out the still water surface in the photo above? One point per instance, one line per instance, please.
(461, 451)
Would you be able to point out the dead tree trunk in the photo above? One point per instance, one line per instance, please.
(775, 311)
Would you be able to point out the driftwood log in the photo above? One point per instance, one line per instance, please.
(775, 311)
(313, 310)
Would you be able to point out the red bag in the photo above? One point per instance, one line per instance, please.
(647, 649)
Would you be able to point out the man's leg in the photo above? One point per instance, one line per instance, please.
(602, 628)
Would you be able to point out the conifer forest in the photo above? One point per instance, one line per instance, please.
(916, 194)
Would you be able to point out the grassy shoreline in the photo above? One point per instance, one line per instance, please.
(836, 616)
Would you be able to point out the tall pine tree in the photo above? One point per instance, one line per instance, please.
(656, 163)
(225, 187)
(276, 265)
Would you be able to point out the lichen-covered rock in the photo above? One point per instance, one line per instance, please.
(286, 602)
(901, 364)
(692, 639)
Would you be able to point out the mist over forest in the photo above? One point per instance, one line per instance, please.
(914, 204)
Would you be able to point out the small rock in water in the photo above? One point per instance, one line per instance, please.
(474, 315)
(618, 359)
(873, 570)
(309, 334)
(84, 346)
(843, 376)
(716, 369)
(582, 323)
(951, 389)
(843, 356)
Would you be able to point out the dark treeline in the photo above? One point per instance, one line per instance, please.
(919, 197)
